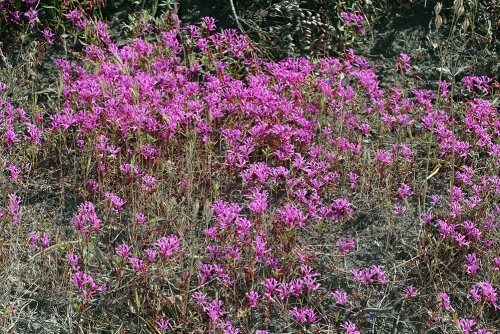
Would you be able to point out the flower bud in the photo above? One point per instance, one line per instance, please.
(437, 8)
(438, 21)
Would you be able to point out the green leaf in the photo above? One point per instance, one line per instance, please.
(156, 219)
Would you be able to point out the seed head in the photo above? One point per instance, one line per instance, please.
(438, 21)
(437, 8)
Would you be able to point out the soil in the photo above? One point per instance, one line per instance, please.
(399, 30)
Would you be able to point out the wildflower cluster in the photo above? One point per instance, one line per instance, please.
(213, 191)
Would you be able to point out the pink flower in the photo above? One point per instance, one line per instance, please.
(117, 201)
(403, 63)
(49, 36)
(214, 310)
(253, 297)
(138, 264)
(470, 266)
(163, 324)
(45, 241)
(497, 263)
(304, 315)
(271, 285)
(350, 327)
(209, 22)
(427, 217)
(123, 249)
(398, 209)
(354, 178)
(141, 218)
(33, 239)
(466, 324)
(148, 182)
(32, 15)
(259, 203)
(405, 191)
(73, 260)
(484, 291)
(14, 172)
(168, 245)
(411, 291)
(151, 254)
(445, 299)
(340, 296)
(435, 199)
(200, 297)
(345, 246)
(385, 157)
(14, 208)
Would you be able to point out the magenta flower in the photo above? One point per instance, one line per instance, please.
(225, 213)
(73, 260)
(341, 206)
(148, 182)
(14, 172)
(305, 315)
(16, 16)
(85, 283)
(209, 22)
(354, 178)
(49, 36)
(163, 324)
(123, 249)
(45, 241)
(141, 218)
(291, 216)
(35, 134)
(398, 209)
(149, 152)
(32, 15)
(350, 327)
(200, 297)
(14, 208)
(271, 285)
(117, 201)
(385, 157)
(480, 331)
(346, 246)
(466, 324)
(33, 239)
(407, 152)
(211, 232)
(340, 296)
(284, 290)
(403, 62)
(367, 275)
(168, 245)
(405, 191)
(470, 266)
(445, 299)
(214, 310)
(253, 297)
(427, 217)
(86, 214)
(411, 292)
(485, 292)
(138, 265)
(260, 248)
(497, 263)
(259, 199)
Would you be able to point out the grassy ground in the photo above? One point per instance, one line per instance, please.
(180, 181)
